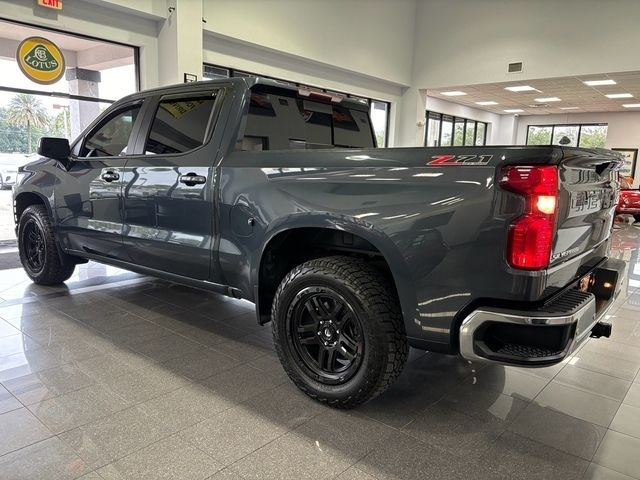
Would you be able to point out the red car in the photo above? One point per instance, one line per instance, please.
(629, 202)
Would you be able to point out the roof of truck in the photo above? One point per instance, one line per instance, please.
(246, 82)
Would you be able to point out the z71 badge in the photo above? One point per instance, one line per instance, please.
(457, 160)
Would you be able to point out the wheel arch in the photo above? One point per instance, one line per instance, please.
(323, 231)
(26, 199)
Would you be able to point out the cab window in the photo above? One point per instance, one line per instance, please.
(181, 124)
(111, 137)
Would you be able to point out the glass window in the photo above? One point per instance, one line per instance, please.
(537, 135)
(470, 133)
(433, 129)
(379, 114)
(278, 122)
(447, 131)
(211, 72)
(181, 124)
(593, 136)
(458, 132)
(566, 135)
(112, 136)
(481, 133)
(379, 111)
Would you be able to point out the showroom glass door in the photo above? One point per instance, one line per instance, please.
(52, 84)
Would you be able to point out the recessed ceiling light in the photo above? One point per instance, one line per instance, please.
(631, 105)
(514, 110)
(489, 102)
(569, 108)
(548, 99)
(595, 83)
(522, 88)
(619, 95)
(453, 93)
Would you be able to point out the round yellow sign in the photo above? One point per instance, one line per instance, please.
(40, 60)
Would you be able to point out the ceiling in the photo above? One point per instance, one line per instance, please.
(571, 90)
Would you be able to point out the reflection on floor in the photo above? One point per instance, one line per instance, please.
(117, 375)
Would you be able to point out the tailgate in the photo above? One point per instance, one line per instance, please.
(588, 195)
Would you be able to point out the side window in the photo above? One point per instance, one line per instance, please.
(277, 122)
(181, 124)
(111, 137)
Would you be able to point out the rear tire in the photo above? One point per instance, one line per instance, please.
(39, 254)
(346, 308)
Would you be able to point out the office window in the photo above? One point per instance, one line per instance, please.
(379, 110)
(470, 133)
(583, 135)
(433, 130)
(566, 135)
(444, 131)
(446, 134)
(481, 133)
(181, 124)
(539, 135)
(593, 136)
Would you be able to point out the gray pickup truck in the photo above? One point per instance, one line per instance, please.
(262, 191)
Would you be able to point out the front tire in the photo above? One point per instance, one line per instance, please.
(39, 254)
(338, 330)
(636, 218)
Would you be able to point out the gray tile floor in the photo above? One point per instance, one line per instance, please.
(122, 376)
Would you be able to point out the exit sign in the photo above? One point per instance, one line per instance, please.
(55, 4)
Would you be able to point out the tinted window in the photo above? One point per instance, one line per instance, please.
(180, 124)
(112, 136)
(276, 122)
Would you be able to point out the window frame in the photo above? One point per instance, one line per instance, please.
(108, 115)
(442, 117)
(244, 73)
(553, 131)
(154, 105)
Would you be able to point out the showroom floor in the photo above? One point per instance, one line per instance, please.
(122, 376)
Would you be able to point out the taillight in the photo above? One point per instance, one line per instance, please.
(531, 235)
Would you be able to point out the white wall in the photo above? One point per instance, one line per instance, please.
(623, 131)
(461, 42)
(371, 37)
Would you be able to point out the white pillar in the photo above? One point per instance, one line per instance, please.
(410, 131)
(180, 42)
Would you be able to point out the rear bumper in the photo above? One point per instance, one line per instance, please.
(544, 335)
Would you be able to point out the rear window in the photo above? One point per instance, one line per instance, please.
(276, 122)
(181, 124)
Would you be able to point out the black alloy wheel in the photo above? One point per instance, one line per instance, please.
(338, 330)
(33, 246)
(326, 334)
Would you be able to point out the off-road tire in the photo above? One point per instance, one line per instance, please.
(57, 266)
(373, 299)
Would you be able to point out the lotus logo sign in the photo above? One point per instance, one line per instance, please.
(40, 60)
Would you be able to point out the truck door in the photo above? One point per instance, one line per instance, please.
(169, 189)
(89, 207)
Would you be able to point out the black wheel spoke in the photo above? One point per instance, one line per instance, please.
(33, 246)
(326, 334)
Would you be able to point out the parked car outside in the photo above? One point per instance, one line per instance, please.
(9, 163)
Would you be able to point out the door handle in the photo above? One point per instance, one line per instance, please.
(110, 176)
(191, 179)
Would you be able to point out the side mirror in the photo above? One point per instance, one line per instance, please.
(56, 148)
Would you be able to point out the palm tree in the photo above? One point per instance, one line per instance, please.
(27, 110)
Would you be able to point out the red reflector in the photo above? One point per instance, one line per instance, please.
(531, 236)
